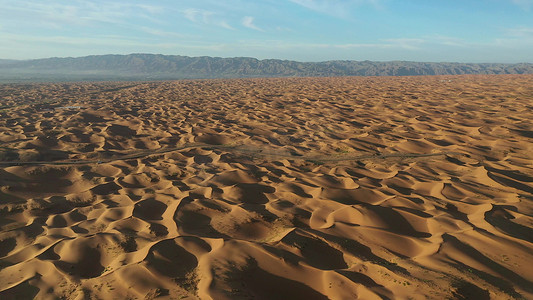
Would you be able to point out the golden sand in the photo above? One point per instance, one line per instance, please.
(309, 188)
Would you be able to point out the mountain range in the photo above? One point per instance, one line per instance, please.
(162, 67)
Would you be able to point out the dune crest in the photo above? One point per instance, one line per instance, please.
(301, 188)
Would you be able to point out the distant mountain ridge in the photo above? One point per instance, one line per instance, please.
(161, 67)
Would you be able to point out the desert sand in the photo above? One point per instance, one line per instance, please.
(295, 188)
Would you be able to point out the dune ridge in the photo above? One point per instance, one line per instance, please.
(295, 188)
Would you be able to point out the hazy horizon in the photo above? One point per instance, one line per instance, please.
(494, 31)
(261, 59)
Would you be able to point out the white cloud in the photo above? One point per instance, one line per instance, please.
(161, 33)
(521, 32)
(152, 9)
(197, 15)
(225, 24)
(447, 41)
(337, 8)
(418, 43)
(206, 17)
(249, 23)
(57, 14)
(519, 38)
(405, 43)
(67, 40)
(524, 4)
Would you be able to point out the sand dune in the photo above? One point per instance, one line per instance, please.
(310, 188)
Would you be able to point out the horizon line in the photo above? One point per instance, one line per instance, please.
(259, 59)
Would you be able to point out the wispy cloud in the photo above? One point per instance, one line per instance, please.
(225, 24)
(130, 44)
(418, 43)
(248, 22)
(160, 33)
(521, 32)
(516, 38)
(205, 17)
(68, 40)
(197, 15)
(405, 43)
(524, 4)
(337, 8)
(446, 40)
(78, 12)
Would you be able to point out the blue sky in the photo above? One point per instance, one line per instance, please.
(303, 30)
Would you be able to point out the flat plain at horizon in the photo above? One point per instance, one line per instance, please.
(293, 188)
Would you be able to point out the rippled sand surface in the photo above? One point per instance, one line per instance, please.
(309, 188)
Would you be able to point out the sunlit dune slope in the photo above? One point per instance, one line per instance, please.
(303, 188)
